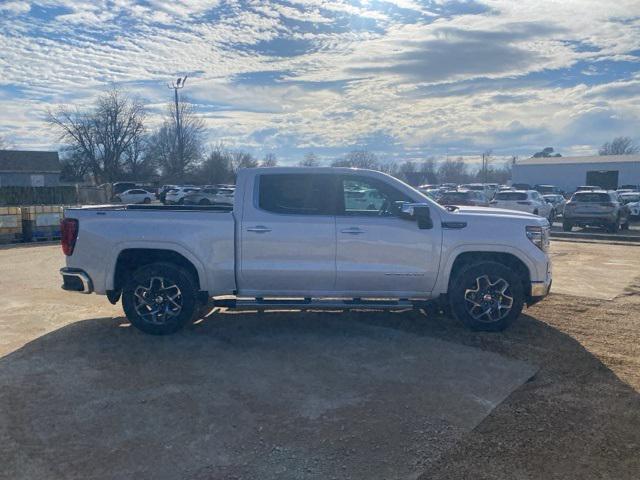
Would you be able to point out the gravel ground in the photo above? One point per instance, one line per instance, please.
(577, 417)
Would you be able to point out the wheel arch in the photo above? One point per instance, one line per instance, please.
(131, 258)
(502, 254)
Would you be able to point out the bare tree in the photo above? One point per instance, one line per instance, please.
(217, 167)
(138, 163)
(74, 165)
(453, 171)
(269, 160)
(546, 152)
(428, 169)
(619, 146)
(242, 159)
(358, 159)
(309, 160)
(103, 134)
(165, 144)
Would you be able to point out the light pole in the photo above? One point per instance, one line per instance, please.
(179, 84)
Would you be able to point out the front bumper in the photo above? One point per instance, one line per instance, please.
(540, 289)
(76, 280)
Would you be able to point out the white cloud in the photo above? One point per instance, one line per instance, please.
(434, 83)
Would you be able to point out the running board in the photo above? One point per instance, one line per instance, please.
(316, 304)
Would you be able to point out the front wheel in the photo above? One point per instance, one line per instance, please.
(160, 298)
(486, 296)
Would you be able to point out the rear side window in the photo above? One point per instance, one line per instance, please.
(591, 197)
(297, 194)
(511, 196)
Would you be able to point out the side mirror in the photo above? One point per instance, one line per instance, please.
(419, 212)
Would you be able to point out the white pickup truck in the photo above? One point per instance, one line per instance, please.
(301, 238)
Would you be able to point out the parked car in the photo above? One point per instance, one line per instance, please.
(587, 188)
(479, 187)
(632, 187)
(528, 201)
(210, 196)
(176, 195)
(362, 199)
(162, 192)
(557, 201)
(521, 186)
(135, 195)
(634, 209)
(547, 189)
(597, 208)
(292, 241)
(464, 197)
(629, 197)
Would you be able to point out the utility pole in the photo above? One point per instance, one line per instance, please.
(179, 84)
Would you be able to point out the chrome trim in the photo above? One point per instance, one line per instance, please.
(87, 286)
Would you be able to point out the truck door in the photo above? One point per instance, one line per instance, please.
(379, 253)
(287, 235)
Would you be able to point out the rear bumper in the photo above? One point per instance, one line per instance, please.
(591, 219)
(76, 280)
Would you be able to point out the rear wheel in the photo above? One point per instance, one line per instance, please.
(160, 298)
(146, 200)
(567, 226)
(486, 296)
(204, 201)
(181, 201)
(613, 227)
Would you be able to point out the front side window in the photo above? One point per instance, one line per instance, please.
(366, 196)
(299, 194)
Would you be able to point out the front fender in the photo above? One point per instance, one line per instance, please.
(442, 283)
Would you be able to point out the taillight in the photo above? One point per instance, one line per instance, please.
(69, 234)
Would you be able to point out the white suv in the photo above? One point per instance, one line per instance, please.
(528, 201)
(176, 195)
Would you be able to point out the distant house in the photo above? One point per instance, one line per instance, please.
(568, 173)
(20, 168)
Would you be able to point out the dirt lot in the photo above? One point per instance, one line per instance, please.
(323, 395)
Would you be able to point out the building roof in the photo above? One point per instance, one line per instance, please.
(574, 160)
(23, 161)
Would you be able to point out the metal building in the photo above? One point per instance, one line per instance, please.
(608, 172)
(20, 168)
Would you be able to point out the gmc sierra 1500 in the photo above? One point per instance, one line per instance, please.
(309, 238)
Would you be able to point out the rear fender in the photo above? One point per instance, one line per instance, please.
(156, 245)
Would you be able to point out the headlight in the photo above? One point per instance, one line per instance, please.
(539, 236)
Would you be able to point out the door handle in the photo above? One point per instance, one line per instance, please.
(259, 229)
(352, 231)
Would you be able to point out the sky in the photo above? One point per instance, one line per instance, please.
(406, 79)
